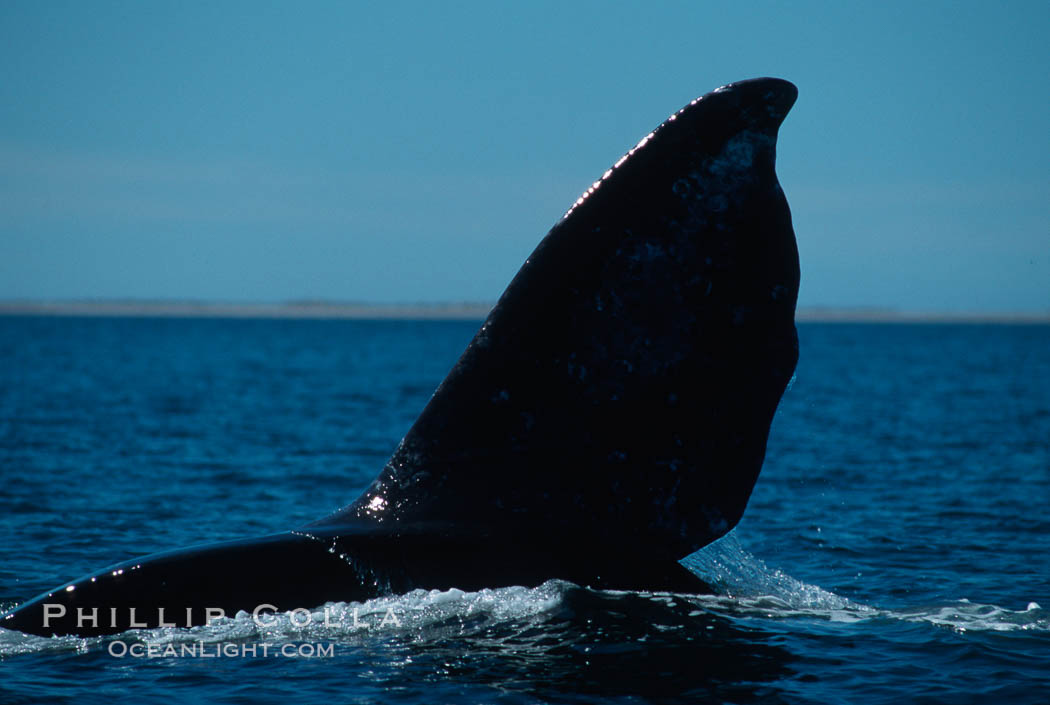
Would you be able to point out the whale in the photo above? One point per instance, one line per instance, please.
(609, 417)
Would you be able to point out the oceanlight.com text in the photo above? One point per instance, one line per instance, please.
(199, 649)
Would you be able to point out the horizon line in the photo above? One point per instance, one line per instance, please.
(440, 310)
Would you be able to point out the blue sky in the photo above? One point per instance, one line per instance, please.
(405, 152)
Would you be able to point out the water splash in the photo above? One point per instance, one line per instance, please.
(747, 587)
(735, 573)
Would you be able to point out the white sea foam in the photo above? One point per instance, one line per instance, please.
(747, 589)
(417, 614)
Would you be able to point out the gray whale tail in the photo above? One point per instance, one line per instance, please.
(609, 417)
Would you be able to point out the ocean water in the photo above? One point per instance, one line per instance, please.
(896, 547)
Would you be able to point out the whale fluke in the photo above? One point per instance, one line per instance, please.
(624, 385)
(609, 418)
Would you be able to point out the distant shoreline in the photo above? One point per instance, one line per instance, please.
(442, 311)
(210, 309)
